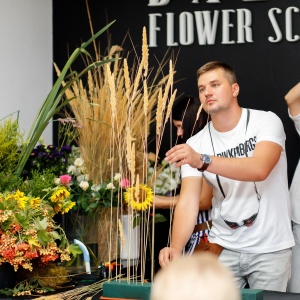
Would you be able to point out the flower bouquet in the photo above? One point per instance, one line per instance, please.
(29, 237)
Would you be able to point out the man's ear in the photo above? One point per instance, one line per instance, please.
(235, 89)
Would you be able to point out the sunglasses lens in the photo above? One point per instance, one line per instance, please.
(249, 222)
(232, 225)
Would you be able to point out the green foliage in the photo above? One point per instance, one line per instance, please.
(9, 181)
(49, 157)
(10, 142)
(39, 185)
(26, 287)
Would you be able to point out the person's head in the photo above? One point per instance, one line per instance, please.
(217, 86)
(184, 115)
(197, 277)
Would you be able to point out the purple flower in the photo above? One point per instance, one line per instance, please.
(43, 155)
(51, 147)
(40, 147)
(57, 154)
(34, 153)
(51, 156)
(66, 149)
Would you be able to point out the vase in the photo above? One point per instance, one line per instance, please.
(7, 276)
(129, 241)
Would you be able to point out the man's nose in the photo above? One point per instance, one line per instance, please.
(208, 90)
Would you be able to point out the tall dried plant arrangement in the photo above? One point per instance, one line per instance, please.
(116, 106)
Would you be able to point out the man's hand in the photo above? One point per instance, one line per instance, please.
(183, 154)
(167, 254)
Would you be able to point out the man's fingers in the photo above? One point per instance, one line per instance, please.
(164, 257)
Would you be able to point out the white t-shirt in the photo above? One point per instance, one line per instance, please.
(295, 186)
(271, 230)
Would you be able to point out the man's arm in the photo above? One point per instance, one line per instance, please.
(292, 99)
(185, 217)
(256, 168)
(186, 211)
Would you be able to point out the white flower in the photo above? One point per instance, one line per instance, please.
(95, 187)
(71, 169)
(57, 181)
(84, 185)
(110, 186)
(117, 176)
(82, 169)
(84, 177)
(78, 162)
(158, 182)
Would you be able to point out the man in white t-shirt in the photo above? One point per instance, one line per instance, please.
(293, 101)
(241, 153)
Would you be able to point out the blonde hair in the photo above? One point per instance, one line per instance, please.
(213, 65)
(197, 277)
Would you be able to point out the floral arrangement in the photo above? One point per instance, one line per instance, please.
(49, 158)
(29, 236)
(116, 108)
(167, 177)
(28, 232)
(112, 170)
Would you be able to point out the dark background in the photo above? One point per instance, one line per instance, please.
(265, 70)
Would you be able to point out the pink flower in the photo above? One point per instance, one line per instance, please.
(65, 179)
(125, 183)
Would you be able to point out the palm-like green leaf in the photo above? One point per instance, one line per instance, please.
(53, 103)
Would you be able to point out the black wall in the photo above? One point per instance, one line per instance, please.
(266, 70)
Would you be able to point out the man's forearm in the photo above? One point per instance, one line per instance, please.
(183, 225)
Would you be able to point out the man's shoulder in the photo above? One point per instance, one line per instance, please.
(261, 114)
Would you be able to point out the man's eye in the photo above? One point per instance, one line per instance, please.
(201, 90)
(215, 85)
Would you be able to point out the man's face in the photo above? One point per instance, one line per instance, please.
(215, 91)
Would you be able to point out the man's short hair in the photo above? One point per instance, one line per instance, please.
(210, 66)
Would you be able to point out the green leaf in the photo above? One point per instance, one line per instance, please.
(75, 249)
(43, 238)
(53, 103)
(55, 235)
(159, 218)
(42, 224)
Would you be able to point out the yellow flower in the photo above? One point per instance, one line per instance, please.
(57, 207)
(68, 207)
(60, 194)
(144, 199)
(35, 202)
(19, 197)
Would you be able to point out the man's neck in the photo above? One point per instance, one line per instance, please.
(228, 119)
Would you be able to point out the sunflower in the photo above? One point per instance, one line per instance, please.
(142, 201)
(60, 194)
